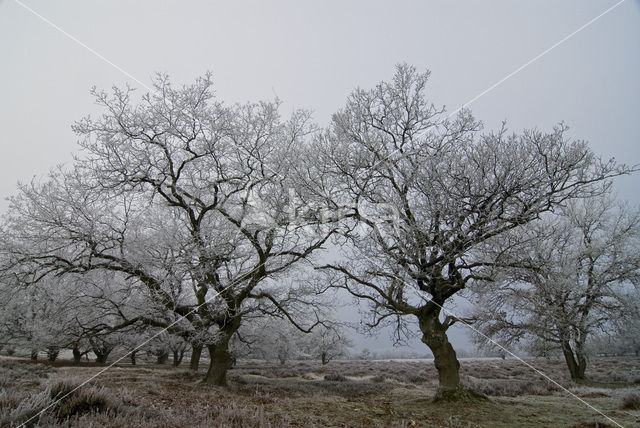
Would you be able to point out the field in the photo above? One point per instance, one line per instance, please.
(305, 393)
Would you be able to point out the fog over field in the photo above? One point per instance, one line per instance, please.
(329, 213)
(311, 55)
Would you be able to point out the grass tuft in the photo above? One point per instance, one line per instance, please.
(335, 377)
(631, 401)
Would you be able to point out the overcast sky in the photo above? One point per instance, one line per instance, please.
(311, 54)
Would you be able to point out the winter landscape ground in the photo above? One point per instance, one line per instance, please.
(305, 393)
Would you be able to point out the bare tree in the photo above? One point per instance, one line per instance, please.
(424, 194)
(185, 200)
(163, 344)
(570, 277)
(43, 318)
(268, 335)
(327, 343)
(620, 339)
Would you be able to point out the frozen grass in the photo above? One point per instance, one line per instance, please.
(631, 401)
(136, 398)
(482, 373)
(375, 393)
(510, 387)
(335, 377)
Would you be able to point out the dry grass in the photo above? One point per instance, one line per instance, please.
(371, 393)
(631, 401)
(335, 377)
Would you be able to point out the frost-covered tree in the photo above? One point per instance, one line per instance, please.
(570, 276)
(185, 200)
(47, 318)
(326, 343)
(163, 344)
(620, 339)
(269, 339)
(425, 194)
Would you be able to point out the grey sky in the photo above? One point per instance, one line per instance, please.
(311, 54)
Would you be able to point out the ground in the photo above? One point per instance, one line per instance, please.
(305, 393)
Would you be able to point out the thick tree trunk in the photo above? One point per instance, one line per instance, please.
(52, 353)
(221, 362)
(576, 361)
(101, 355)
(77, 356)
(221, 359)
(194, 362)
(434, 335)
(34, 354)
(133, 357)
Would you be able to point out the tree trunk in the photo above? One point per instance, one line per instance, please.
(194, 362)
(576, 361)
(221, 359)
(101, 355)
(162, 357)
(52, 353)
(77, 356)
(133, 357)
(34, 354)
(323, 357)
(177, 357)
(434, 335)
(221, 362)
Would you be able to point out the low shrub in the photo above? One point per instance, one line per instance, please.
(60, 401)
(618, 377)
(378, 379)
(510, 388)
(74, 399)
(335, 377)
(349, 389)
(631, 401)
(594, 424)
(418, 379)
(29, 411)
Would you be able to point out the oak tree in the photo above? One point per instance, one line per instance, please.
(423, 194)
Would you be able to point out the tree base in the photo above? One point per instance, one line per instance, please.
(215, 382)
(460, 394)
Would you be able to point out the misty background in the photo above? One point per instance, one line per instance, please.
(311, 55)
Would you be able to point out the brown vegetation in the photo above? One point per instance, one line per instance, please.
(305, 393)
